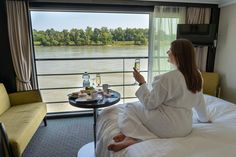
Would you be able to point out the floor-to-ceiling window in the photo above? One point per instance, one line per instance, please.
(67, 44)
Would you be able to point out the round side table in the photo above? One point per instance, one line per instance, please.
(111, 99)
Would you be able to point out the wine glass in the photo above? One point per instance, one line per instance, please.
(98, 80)
(137, 66)
(93, 82)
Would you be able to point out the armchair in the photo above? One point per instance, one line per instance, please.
(211, 83)
(5, 147)
(21, 113)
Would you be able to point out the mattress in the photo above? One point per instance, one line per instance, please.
(216, 139)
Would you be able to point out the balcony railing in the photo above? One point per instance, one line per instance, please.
(57, 77)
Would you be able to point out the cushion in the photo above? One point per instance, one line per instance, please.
(21, 122)
(211, 81)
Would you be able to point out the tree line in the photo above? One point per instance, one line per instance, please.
(90, 36)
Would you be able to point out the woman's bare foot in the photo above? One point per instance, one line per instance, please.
(119, 137)
(121, 145)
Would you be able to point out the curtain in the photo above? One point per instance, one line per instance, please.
(163, 28)
(20, 43)
(199, 16)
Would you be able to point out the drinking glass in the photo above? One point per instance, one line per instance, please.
(105, 88)
(98, 80)
(93, 82)
(137, 66)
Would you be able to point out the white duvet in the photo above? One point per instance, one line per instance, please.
(217, 139)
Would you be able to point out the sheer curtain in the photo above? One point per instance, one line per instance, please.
(20, 43)
(199, 16)
(163, 29)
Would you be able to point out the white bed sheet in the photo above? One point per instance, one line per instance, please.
(217, 139)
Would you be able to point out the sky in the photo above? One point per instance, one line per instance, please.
(42, 20)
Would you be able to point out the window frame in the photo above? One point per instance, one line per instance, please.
(84, 8)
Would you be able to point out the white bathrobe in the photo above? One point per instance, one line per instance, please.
(163, 112)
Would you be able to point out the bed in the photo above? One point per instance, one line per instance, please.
(217, 139)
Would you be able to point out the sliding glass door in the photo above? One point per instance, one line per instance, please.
(67, 44)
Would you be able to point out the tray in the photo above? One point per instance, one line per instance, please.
(82, 99)
(86, 99)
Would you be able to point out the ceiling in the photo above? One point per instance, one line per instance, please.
(221, 3)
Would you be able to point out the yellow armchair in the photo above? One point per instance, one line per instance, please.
(5, 147)
(21, 113)
(211, 83)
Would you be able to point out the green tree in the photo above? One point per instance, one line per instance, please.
(74, 36)
(82, 37)
(96, 36)
(106, 36)
(129, 34)
(77, 37)
(118, 34)
(88, 35)
(66, 37)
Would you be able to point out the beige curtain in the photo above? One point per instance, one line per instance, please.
(199, 16)
(21, 49)
(164, 21)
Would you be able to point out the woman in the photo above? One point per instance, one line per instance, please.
(166, 110)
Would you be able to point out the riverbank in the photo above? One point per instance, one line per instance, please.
(114, 43)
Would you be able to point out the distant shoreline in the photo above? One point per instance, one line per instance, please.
(115, 43)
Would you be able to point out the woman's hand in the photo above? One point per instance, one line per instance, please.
(138, 77)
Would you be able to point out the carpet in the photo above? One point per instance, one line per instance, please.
(61, 138)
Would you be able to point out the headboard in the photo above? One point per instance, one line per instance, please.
(211, 83)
